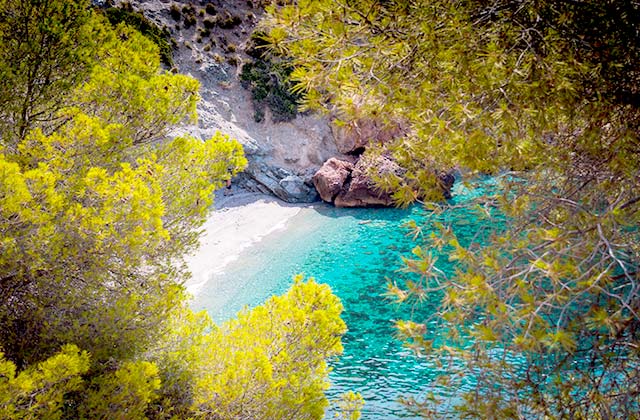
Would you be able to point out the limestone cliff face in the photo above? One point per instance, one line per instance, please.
(286, 158)
(282, 156)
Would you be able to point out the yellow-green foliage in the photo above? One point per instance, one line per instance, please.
(485, 86)
(91, 211)
(273, 364)
(541, 318)
(191, 171)
(47, 49)
(349, 406)
(97, 208)
(38, 392)
(97, 211)
(269, 363)
(129, 72)
(123, 394)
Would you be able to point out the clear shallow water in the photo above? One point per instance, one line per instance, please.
(356, 252)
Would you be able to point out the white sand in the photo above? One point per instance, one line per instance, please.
(240, 221)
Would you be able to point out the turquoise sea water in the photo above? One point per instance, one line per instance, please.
(355, 251)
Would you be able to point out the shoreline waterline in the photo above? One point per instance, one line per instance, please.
(240, 222)
(351, 250)
(357, 252)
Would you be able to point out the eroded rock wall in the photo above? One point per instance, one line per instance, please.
(287, 159)
(282, 156)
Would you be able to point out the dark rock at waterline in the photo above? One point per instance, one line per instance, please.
(447, 179)
(346, 182)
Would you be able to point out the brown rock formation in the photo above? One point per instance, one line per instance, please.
(331, 177)
(361, 191)
(348, 184)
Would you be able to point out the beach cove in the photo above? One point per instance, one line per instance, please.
(254, 245)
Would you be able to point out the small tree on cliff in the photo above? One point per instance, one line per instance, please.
(547, 93)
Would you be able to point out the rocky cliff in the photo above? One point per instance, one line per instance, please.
(210, 40)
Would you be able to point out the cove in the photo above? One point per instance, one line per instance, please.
(356, 252)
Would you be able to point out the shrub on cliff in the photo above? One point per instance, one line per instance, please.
(268, 77)
(125, 13)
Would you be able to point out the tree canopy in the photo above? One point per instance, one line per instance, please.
(46, 51)
(542, 95)
(98, 206)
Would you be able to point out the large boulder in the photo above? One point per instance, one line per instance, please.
(347, 183)
(361, 191)
(331, 177)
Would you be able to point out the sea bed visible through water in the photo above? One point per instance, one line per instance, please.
(356, 252)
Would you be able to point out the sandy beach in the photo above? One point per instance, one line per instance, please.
(239, 221)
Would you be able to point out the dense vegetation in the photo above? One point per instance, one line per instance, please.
(542, 317)
(97, 208)
(161, 37)
(268, 77)
(98, 205)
